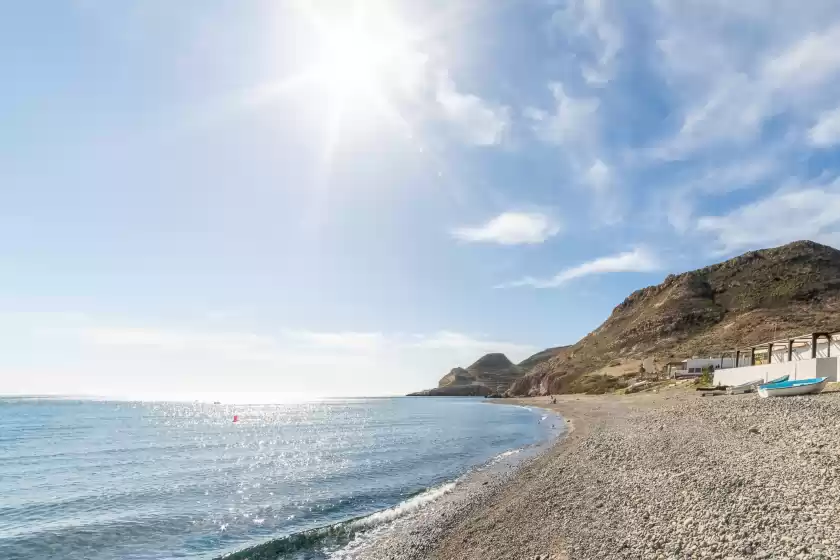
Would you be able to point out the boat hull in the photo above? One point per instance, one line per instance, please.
(793, 388)
(745, 387)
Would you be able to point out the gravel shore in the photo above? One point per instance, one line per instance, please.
(668, 475)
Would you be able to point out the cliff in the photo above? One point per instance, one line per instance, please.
(753, 298)
(492, 373)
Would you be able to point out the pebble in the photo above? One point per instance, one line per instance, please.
(728, 477)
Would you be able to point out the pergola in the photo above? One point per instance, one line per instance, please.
(766, 348)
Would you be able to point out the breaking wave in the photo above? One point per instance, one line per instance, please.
(308, 544)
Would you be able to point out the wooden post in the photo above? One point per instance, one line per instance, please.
(769, 353)
(828, 348)
(752, 356)
(737, 358)
(790, 350)
(813, 345)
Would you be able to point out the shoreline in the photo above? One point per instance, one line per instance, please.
(658, 475)
(415, 536)
(383, 532)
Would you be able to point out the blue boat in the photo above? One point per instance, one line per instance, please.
(790, 388)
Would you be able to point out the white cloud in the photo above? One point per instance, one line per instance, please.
(475, 346)
(599, 176)
(789, 214)
(826, 131)
(586, 26)
(65, 353)
(511, 228)
(601, 179)
(572, 122)
(336, 340)
(637, 260)
(475, 120)
(679, 199)
(729, 85)
(808, 62)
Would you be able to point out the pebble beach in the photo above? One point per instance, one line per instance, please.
(666, 475)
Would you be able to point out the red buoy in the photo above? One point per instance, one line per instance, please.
(235, 417)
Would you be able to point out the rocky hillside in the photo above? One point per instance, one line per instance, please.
(542, 356)
(753, 298)
(492, 373)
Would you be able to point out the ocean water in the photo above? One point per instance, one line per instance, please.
(129, 480)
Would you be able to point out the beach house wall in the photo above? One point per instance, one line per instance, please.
(696, 365)
(780, 354)
(796, 369)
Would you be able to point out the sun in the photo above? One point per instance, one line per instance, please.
(365, 51)
(355, 61)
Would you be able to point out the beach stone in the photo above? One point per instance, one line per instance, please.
(642, 477)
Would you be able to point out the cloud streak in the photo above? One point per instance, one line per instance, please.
(826, 131)
(637, 260)
(807, 211)
(474, 120)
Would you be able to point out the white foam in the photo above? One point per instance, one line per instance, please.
(403, 508)
(373, 525)
(508, 453)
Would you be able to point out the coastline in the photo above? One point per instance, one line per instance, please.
(424, 514)
(416, 535)
(658, 475)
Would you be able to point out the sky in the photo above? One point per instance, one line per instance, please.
(265, 200)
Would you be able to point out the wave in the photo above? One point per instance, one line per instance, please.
(338, 534)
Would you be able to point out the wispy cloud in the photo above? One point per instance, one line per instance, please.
(826, 131)
(476, 345)
(573, 125)
(249, 345)
(808, 62)
(511, 228)
(572, 122)
(808, 211)
(638, 260)
(335, 340)
(238, 345)
(600, 178)
(720, 178)
(474, 120)
(125, 358)
(586, 27)
(731, 87)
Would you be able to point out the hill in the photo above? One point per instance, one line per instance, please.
(758, 296)
(492, 373)
(542, 356)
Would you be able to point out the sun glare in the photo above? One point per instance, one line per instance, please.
(368, 64)
(363, 66)
(367, 52)
(355, 61)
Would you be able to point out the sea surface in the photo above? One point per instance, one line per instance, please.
(93, 480)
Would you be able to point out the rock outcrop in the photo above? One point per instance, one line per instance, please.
(756, 297)
(492, 373)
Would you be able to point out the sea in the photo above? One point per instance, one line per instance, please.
(99, 480)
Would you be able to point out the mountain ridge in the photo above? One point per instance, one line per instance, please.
(745, 300)
(752, 298)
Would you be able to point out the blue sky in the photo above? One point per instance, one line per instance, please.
(267, 198)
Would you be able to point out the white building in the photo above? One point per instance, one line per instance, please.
(801, 357)
(693, 367)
